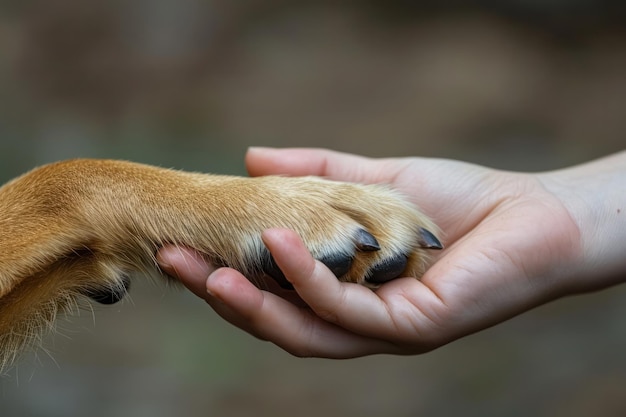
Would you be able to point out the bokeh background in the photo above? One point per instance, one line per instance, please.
(513, 84)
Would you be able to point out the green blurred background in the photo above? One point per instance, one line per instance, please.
(522, 85)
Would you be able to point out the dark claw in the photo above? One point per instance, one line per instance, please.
(339, 265)
(109, 295)
(387, 270)
(365, 241)
(427, 240)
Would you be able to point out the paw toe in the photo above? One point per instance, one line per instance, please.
(387, 270)
(338, 264)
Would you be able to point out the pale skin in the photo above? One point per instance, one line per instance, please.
(512, 241)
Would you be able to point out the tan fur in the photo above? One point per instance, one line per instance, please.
(82, 224)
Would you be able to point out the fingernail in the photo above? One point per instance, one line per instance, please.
(215, 275)
(260, 149)
(208, 290)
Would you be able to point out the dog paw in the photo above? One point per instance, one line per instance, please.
(366, 234)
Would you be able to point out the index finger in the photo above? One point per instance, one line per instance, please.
(320, 162)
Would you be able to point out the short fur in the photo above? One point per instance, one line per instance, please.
(81, 225)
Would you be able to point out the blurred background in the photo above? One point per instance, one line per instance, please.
(515, 84)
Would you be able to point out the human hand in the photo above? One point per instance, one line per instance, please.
(513, 241)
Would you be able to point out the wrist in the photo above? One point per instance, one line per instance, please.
(595, 196)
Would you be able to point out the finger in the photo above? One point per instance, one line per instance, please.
(320, 162)
(263, 314)
(269, 317)
(187, 265)
(351, 306)
(234, 298)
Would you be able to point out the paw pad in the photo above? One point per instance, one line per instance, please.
(109, 295)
